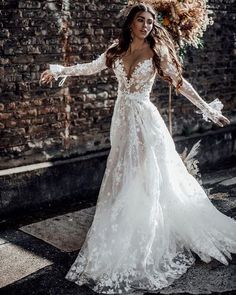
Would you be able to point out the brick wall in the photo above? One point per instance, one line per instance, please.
(39, 123)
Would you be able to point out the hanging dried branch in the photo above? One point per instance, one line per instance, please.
(63, 21)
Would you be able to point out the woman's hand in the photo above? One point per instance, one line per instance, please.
(219, 119)
(46, 77)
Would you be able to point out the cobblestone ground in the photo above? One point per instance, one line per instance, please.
(30, 266)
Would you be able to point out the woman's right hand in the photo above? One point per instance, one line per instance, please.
(46, 77)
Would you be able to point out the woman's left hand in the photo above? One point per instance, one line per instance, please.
(221, 120)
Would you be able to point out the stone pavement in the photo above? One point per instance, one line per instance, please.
(30, 266)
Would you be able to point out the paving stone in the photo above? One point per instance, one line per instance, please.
(16, 263)
(66, 232)
(205, 279)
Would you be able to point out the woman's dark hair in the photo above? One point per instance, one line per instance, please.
(157, 38)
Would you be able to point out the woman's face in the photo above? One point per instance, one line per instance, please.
(142, 25)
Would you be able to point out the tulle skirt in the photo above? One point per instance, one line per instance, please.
(152, 217)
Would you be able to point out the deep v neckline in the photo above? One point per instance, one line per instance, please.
(138, 65)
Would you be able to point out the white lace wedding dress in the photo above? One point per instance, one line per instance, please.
(151, 214)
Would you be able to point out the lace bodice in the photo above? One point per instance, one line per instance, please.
(140, 83)
(141, 79)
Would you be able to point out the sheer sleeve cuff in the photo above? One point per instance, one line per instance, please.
(56, 70)
(212, 111)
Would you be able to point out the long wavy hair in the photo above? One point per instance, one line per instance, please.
(156, 38)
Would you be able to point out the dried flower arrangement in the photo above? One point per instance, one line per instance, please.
(191, 162)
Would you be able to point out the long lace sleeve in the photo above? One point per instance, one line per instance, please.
(89, 68)
(208, 110)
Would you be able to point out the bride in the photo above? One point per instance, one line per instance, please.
(152, 217)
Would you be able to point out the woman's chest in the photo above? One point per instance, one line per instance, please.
(142, 71)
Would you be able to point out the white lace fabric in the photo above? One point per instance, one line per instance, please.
(151, 214)
(209, 111)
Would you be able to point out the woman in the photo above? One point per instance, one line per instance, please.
(152, 216)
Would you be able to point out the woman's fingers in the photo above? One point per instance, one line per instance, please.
(226, 120)
(46, 77)
(222, 121)
(43, 77)
(44, 74)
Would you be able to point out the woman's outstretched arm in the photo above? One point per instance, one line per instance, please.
(90, 68)
(210, 111)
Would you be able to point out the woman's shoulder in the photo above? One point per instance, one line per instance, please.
(162, 49)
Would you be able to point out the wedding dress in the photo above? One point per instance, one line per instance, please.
(151, 214)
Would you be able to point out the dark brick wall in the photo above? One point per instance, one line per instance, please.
(33, 119)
